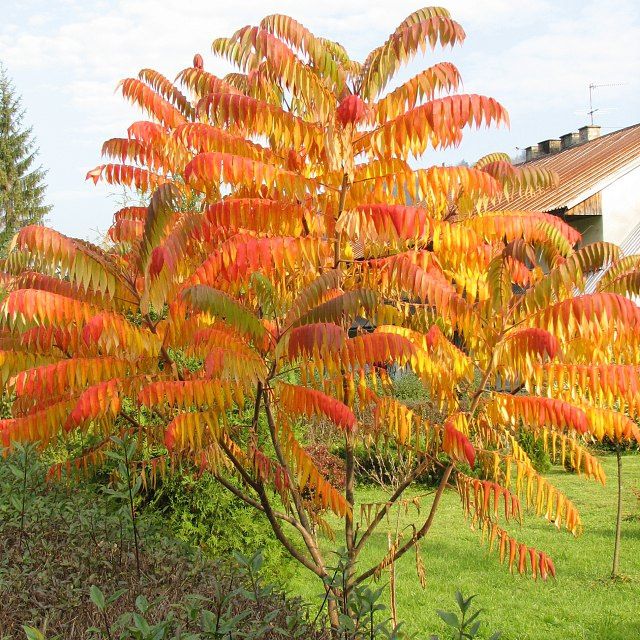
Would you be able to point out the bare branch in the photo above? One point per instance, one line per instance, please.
(416, 537)
(410, 477)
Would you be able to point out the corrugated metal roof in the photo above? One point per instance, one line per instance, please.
(583, 170)
(629, 247)
(631, 244)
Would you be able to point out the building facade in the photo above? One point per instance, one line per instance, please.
(599, 188)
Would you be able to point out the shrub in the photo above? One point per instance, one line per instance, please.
(202, 513)
(534, 448)
(329, 464)
(409, 388)
(58, 540)
(382, 463)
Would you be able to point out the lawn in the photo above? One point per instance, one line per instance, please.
(581, 603)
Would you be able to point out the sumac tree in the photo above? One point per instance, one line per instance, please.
(283, 214)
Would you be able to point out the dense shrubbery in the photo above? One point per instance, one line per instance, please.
(384, 463)
(202, 513)
(408, 388)
(534, 448)
(56, 541)
(68, 565)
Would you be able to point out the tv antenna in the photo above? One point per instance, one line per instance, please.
(593, 86)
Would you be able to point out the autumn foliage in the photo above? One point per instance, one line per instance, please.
(282, 207)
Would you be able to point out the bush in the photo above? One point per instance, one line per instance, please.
(386, 465)
(382, 464)
(329, 464)
(56, 541)
(534, 448)
(202, 513)
(609, 446)
(408, 388)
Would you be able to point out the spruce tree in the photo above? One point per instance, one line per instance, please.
(22, 185)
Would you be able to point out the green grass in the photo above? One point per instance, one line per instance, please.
(581, 603)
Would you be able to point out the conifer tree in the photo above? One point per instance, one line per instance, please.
(22, 185)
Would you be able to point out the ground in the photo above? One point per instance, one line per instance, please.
(582, 603)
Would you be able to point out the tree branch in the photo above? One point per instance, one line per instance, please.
(416, 537)
(297, 500)
(251, 501)
(131, 421)
(238, 465)
(410, 477)
(319, 570)
(265, 506)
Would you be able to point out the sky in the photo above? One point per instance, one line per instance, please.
(66, 57)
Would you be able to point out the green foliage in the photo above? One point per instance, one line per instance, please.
(467, 626)
(366, 618)
(534, 448)
(408, 388)
(21, 184)
(76, 558)
(204, 514)
(126, 488)
(218, 616)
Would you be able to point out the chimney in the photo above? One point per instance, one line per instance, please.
(547, 147)
(590, 132)
(531, 153)
(569, 140)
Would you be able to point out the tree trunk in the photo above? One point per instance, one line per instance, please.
(616, 547)
(350, 474)
(334, 620)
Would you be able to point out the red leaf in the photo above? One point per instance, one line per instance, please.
(456, 444)
(158, 259)
(352, 110)
(93, 330)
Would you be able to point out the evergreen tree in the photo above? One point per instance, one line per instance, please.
(21, 184)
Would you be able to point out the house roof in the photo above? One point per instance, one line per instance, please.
(630, 247)
(584, 170)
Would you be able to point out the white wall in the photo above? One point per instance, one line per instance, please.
(621, 207)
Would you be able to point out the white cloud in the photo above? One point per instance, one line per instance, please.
(536, 57)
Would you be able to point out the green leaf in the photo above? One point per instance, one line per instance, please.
(265, 293)
(142, 604)
(473, 616)
(450, 618)
(32, 633)
(346, 623)
(97, 597)
(141, 624)
(17, 471)
(113, 597)
(473, 630)
(223, 306)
